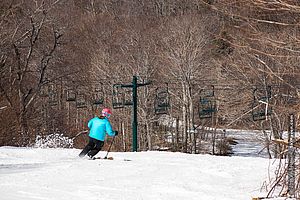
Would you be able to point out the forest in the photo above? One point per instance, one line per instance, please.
(205, 66)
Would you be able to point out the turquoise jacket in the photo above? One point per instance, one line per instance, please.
(99, 127)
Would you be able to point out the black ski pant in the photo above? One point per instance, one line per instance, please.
(92, 148)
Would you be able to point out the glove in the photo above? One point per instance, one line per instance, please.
(116, 133)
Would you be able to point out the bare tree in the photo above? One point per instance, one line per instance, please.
(184, 52)
(31, 43)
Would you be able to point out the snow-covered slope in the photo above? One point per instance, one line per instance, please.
(58, 174)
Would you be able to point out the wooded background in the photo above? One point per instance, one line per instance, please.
(240, 56)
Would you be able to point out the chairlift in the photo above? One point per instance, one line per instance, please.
(262, 95)
(207, 103)
(71, 95)
(118, 96)
(98, 96)
(260, 106)
(53, 100)
(44, 110)
(260, 111)
(208, 91)
(81, 101)
(206, 107)
(291, 98)
(52, 95)
(162, 102)
(44, 91)
(44, 87)
(98, 99)
(128, 98)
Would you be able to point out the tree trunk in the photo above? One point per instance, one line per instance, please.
(192, 123)
(149, 140)
(267, 140)
(184, 120)
(176, 134)
(24, 130)
(123, 137)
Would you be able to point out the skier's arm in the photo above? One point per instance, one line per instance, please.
(109, 129)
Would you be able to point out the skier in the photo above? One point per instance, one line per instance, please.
(98, 126)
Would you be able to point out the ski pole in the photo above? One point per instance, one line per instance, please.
(109, 147)
(81, 132)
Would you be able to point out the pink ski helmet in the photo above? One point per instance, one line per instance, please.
(106, 112)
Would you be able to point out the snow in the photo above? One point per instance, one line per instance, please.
(59, 174)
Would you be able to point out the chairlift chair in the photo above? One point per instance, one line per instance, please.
(81, 101)
(162, 102)
(98, 99)
(260, 106)
(44, 91)
(98, 95)
(206, 107)
(260, 111)
(52, 95)
(128, 98)
(291, 98)
(53, 100)
(71, 95)
(118, 96)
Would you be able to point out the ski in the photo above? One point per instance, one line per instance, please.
(107, 158)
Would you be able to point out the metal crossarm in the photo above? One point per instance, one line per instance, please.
(119, 102)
